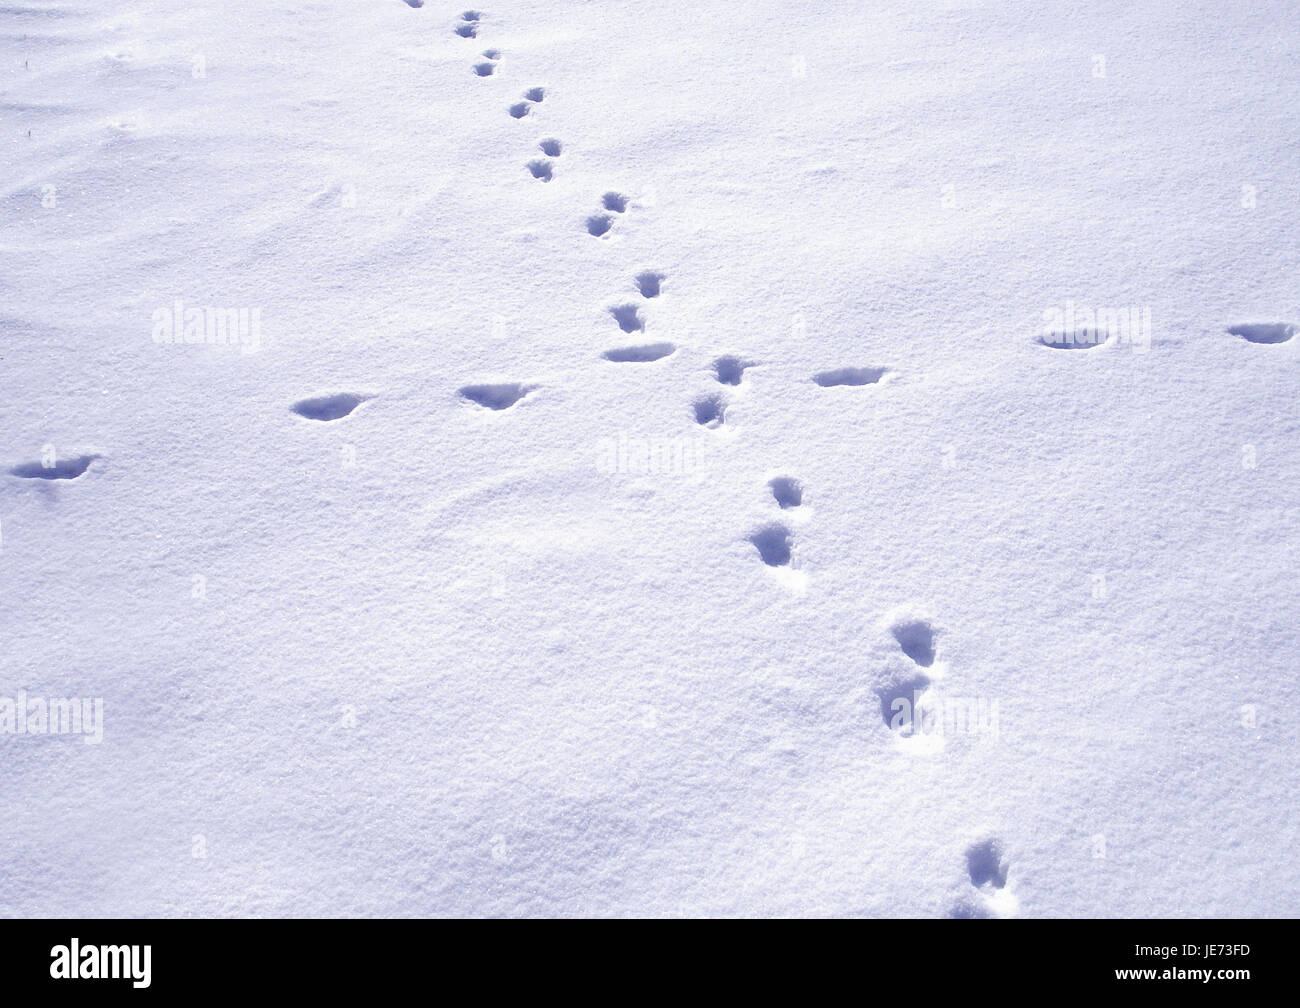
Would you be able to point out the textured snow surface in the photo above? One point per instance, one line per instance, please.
(648, 402)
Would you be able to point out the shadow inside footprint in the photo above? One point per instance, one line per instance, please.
(773, 543)
(616, 202)
(599, 224)
(535, 94)
(468, 30)
(849, 376)
(520, 109)
(551, 148)
(540, 170)
(648, 284)
(495, 397)
(729, 370)
(61, 469)
(639, 354)
(916, 638)
(969, 910)
(329, 407)
(628, 318)
(709, 411)
(485, 69)
(1081, 340)
(1264, 332)
(787, 491)
(986, 865)
(899, 701)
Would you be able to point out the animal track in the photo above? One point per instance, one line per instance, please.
(551, 147)
(485, 69)
(492, 54)
(628, 317)
(729, 370)
(709, 411)
(329, 407)
(787, 491)
(1264, 332)
(540, 169)
(614, 201)
(599, 225)
(774, 544)
(639, 354)
(415, 3)
(59, 469)
(899, 700)
(649, 283)
(520, 109)
(986, 865)
(495, 397)
(916, 638)
(1081, 340)
(849, 376)
(467, 29)
(535, 95)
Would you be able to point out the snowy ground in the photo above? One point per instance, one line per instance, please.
(572, 655)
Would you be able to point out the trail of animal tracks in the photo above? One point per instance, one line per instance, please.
(596, 458)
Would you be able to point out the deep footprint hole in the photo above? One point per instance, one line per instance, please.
(709, 411)
(849, 376)
(628, 317)
(729, 370)
(328, 407)
(986, 864)
(649, 283)
(773, 543)
(639, 354)
(615, 202)
(485, 69)
(898, 703)
(787, 491)
(1263, 332)
(519, 110)
(916, 638)
(540, 170)
(599, 225)
(469, 30)
(495, 397)
(59, 469)
(551, 148)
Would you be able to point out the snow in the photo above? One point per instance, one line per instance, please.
(469, 580)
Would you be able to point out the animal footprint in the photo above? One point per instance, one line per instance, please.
(468, 28)
(598, 225)
(495, 397)
(540, 169)
(329, 407)
(535, 95)
(729, 370)
(649, 283)
(709, 410)
(639, 354)
(57, 469)
(849, 376)
(987, 866)
(551, 147)
(774, 544)
(520, 109)
(614, 201)
(415, 3)
(786, 491)
(486, 69)
(628, 317)
(916, 638)
(1264, 332)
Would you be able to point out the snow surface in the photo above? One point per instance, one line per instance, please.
(390, 618)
